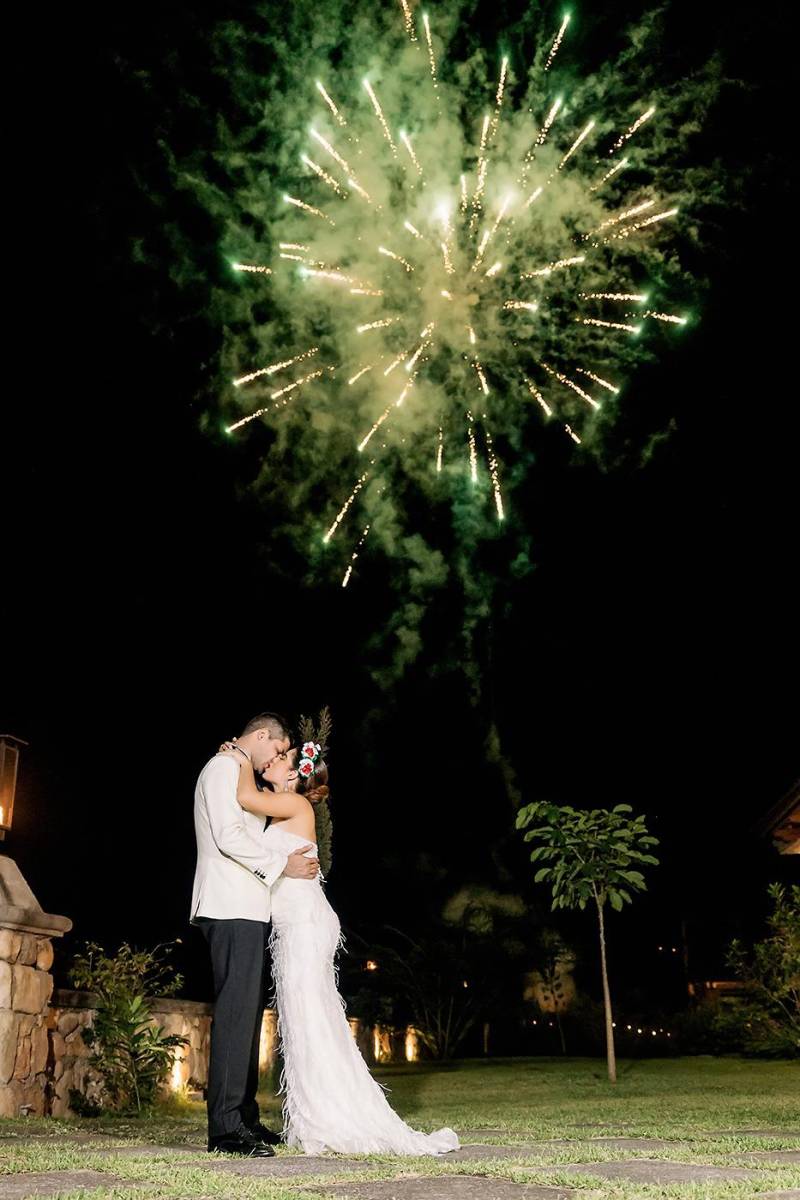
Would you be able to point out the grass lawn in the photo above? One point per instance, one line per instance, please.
(704, 1107)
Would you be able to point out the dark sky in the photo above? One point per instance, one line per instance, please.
(652, 656)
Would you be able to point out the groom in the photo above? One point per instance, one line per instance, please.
(231, 904)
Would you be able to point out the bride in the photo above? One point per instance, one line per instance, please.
(331, 1100)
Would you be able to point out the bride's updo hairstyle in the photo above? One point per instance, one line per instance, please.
(315, 786)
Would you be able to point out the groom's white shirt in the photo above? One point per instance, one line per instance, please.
(235, 869)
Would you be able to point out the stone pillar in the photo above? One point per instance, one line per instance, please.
(26, 955)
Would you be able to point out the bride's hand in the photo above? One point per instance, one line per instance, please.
(228, 749)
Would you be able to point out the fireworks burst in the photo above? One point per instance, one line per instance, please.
(447, 274)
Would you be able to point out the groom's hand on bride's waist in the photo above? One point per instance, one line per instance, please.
(300, 867)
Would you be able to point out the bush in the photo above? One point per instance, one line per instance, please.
(130, 1052)
(771, 970)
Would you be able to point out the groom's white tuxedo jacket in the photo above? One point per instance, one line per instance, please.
(235, 869)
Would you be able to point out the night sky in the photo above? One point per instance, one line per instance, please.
(651, 657)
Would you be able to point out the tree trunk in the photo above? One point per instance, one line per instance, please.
(561, 1032)
(610, 1054)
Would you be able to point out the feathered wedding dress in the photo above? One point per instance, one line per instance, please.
(331, 1100)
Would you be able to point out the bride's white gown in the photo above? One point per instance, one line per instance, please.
(331, 1100)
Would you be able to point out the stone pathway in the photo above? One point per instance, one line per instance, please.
(457, 1187)
(50, 1183)
(345, 1184)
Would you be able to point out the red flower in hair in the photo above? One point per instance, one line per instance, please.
(306, 768)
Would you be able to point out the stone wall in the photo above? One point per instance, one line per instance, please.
(25, 989)
(68, 1066)
(73, 1011)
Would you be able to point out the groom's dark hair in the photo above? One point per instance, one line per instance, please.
(278, 727)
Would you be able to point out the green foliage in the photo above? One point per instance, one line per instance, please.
(772, 972)
(589, 855)
(324, 828)
(130, 1052)
(322, 813)
(455, 974)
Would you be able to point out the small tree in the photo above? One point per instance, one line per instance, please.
(590, 856)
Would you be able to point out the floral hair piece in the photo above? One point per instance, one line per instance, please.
(315, 742)
(309, 755)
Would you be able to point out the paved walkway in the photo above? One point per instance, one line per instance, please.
(631, 1159)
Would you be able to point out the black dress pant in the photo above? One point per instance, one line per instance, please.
(238, 960)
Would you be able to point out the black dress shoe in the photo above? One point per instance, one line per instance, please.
(267, 1136)
(243, 1142)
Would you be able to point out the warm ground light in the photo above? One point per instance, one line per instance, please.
(528, 1121)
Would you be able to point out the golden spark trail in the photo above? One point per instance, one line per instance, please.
(396, 257)
(439, 451)
(494, 474)
(345, 507)
(623, 233)
(408, 20)
(610, 387)
(297, 383)
(335, 155)
(659, 316)
(425, 336)
(295, 257)
(292, 246)
(431, 56)
(559, 265)
(548, 121)
(395, 404)
(331, 105)
(540, 141)
(377, 324)
(489, 234)
(608, 324)
(360, 291)
(482, 164)
(538, 397)
(608, 175)
(448, 266)
(623, 216)
(473, 450)
(307, 208)
(354, 378)
(322, 174)
(535, 194)
(530, 305)
(379, 114)
(254, 270)
(493, 269)
(279, 366)
(463, 205)
(578, 141)
(354, 556)
(638, 297)
(413, 229)
(471, 332)
(481, 377)
(333, 276)
(356, 186)
(498, 100)
(404, 138)
(570, 383)
(245, 420)
(395, 362)
(557, 42)
(573, 435)
(637, 124)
